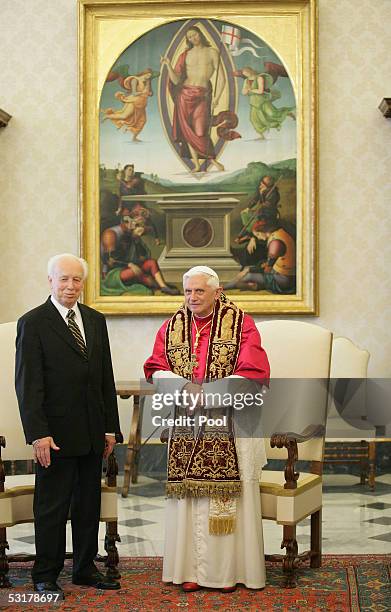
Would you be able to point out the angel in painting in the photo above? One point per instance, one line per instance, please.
(263, 114)
(133, 116)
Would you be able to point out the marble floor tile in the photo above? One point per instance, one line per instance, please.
(131, 539)
(143, 507)
(377, 506)
(136, 522)
(381, 520)
(383, 537)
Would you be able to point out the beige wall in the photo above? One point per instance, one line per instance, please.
(39, 183)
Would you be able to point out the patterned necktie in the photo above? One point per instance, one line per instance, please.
(76, 333)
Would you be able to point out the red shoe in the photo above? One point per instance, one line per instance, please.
(189, 587)
(228, 589)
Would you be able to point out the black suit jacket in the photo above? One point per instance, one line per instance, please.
(61, 393)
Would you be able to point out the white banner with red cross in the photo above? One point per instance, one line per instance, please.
(231, 36)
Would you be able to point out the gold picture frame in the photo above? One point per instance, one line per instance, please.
(285, 28)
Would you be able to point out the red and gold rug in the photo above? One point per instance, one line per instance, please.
(344, 583)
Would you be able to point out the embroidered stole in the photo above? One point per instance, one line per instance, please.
(206, 466)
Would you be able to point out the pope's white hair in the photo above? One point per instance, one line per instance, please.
(213, 279)
(53, 261)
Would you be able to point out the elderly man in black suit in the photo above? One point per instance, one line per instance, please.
(68, 406)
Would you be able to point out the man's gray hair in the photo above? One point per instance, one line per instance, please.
(53, 261)
(213, 279)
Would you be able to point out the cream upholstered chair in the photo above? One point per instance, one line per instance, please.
(16, 492)
(294, 416)
(348, 433)
(347, 414)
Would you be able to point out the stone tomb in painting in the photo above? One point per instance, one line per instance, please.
(198, 232)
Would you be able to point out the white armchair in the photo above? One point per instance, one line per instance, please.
(348, 433)
(294, 419)
(17, 491)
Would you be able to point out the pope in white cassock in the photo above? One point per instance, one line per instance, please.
(212, 349)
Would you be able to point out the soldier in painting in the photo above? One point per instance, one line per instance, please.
(127, 259)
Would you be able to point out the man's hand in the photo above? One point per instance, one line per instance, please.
(109, 445)
(266, 268)
(42, 450)
(196, 392)
(251, 246)
(243, 272)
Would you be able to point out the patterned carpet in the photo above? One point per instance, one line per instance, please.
(345, 583)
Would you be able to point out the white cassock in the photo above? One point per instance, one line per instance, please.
(191, 554)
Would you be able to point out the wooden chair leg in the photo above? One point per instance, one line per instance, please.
(112, 536)
(4, 566)
(289, 542)
(316, 539)
(112, 560)
(372, 465)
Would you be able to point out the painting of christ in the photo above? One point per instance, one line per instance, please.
(202, 120)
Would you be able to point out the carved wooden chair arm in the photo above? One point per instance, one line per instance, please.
(112, 464)
(112, 470)
(280, 439)
(119, 438)
(289, 440)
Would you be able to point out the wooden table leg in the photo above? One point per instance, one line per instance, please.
(129, 454)
(372, 464)
(363, 462)
(137, 445)
(130, 468)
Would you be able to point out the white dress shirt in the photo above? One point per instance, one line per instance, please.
(63, 310)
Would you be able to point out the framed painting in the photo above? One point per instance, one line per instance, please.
(199, 146)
